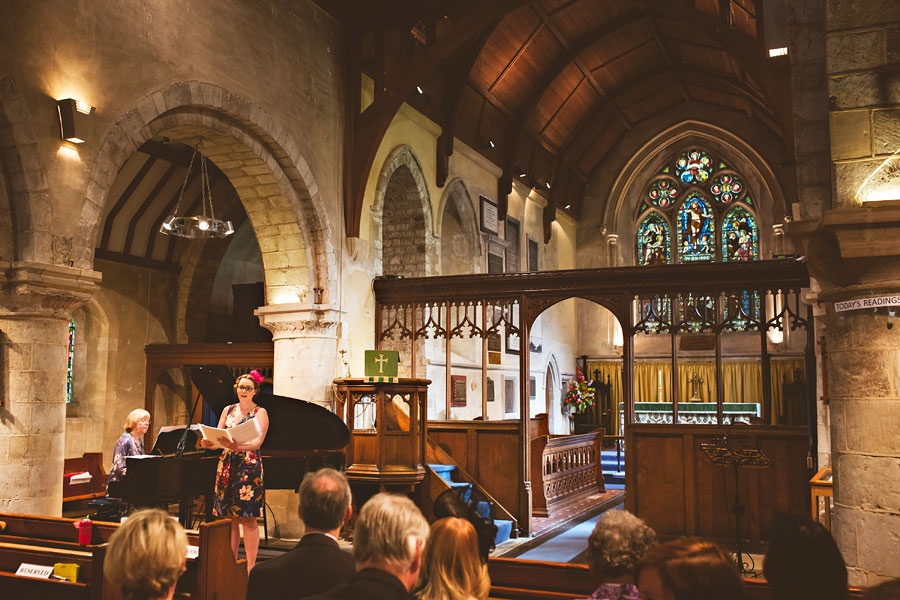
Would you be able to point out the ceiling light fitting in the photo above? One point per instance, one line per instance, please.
(773, 52)
(72, 119)
(204, 225)
(419, 89)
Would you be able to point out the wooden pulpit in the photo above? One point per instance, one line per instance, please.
(388, 425)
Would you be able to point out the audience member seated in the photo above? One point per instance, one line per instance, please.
(146, 555)
(451, 566)
(888, 590)
(387, 543)
(803, 560)
(618, 542)
(450, 504)
(688, 569)
(317, 563)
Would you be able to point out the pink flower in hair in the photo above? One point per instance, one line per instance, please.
(256, 376)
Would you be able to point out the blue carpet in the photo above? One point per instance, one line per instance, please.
(612, 476)
(568, 545)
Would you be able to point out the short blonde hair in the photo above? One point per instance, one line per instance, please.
(146, 555)
(451, 565)
(388, 529)
(134, 417)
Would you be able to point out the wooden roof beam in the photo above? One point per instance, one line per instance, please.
(667, 56)
(457, 76)
(363, 133)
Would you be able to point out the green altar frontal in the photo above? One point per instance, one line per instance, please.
(693, 413)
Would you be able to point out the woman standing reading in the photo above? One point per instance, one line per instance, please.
(239, 477)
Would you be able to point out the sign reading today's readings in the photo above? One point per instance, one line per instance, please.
(863, 303)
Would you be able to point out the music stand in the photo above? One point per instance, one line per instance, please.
(748, 458)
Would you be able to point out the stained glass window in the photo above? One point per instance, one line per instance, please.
(70, 360)
(662, 192)
(740, 235)
(697, 208)
(696, 229)
(653, 241)
(726, 187)
(693, 167)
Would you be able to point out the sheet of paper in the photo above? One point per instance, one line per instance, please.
(167, 428)
(84, 477)
(36, 571)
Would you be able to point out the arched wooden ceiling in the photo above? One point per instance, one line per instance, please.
(546, 88)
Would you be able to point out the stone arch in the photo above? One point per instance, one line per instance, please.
(460, 241)
(739, 154)
(272, 179)
(401, 186)
(26, 217)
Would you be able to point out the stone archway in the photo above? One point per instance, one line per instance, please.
(271, 177)
(402, 216)
(460, 242)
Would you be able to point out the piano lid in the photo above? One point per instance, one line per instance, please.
(300, 425)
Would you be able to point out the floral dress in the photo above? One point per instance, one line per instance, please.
(125, 446)
(239, 477)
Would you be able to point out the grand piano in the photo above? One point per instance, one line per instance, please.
(302, 437)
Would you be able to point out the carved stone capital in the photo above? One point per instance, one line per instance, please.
(291, 321)
(851, 251)
(38, 289)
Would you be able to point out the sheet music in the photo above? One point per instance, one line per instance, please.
(167, 428)
(240, 434)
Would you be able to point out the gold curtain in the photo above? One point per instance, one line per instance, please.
(784, 372)
(742, 381)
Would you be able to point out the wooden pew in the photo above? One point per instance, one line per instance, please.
(90, 586)
(565, 469)
(90, 462)
(515, 579)
(213, 575)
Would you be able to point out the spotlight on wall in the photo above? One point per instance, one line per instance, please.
(491, 143)
(419, 89)
(892, 314)
(72, 119)
(523, 174)
(567, 206)
(547, 185)
(773, 52)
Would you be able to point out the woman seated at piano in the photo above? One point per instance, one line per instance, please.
(239, 477)
(130, 444)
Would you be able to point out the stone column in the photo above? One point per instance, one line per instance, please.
(863, 367)
(852, 255)
(306, 339)
(35, 303)
(306, 345)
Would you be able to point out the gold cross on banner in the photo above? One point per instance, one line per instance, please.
(381, 360)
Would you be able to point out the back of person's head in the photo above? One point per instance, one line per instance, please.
(146, 555)
(324, 499)
(804, 560)
(450, 504)
(887, 590)
(451, 565)
(388, 530)
(690, 569)
(618, 542)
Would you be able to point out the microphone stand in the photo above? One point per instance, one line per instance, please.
(179, 448)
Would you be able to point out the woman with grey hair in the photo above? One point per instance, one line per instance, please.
(617, 543)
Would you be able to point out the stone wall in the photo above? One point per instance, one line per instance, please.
(863, 65)
(863, 75)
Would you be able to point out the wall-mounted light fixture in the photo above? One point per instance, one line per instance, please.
(72, 119)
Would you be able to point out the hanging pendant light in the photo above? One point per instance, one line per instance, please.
(204, 225)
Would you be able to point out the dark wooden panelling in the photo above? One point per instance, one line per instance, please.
(678, 491)
(659, 493)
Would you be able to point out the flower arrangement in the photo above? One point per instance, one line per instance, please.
(580, 394)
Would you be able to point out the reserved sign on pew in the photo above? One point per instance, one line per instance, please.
(36, 571)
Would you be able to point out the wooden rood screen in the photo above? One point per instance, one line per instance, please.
(673, 299)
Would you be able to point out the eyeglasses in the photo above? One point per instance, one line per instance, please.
(245, 388)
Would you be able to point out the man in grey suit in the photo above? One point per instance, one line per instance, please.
(317, 563)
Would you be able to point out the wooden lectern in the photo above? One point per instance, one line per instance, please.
(388, 426)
